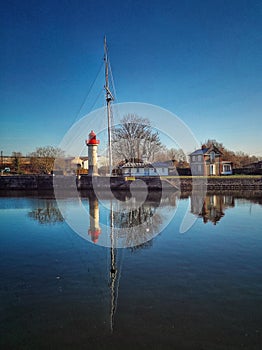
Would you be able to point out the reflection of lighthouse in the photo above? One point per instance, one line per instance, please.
(94, 230)
(92, 144)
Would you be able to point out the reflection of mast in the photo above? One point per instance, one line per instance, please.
(114, 272)
(109, 98)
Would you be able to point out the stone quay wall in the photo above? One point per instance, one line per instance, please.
(34, 182)
(47, 182)
(222, 183)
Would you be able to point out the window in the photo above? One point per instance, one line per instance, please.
(137, 170)
(199, 158)
(199, 168)
(212, 156)
(227, 167)
(193, 158)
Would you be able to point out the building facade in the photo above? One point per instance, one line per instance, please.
(207, 161)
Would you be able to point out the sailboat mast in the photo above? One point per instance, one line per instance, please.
(113, 262)
(109, 98)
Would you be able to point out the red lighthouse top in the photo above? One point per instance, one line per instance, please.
(92, 139)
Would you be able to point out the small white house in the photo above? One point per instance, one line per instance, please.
(162, 168)
(145, 169)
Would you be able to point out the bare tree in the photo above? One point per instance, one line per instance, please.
(42, 160)
(134, 138)
(145, 217)
(48, 213)
(16, 161)
(239, 159)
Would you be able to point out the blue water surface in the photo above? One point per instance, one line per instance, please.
(201, 289)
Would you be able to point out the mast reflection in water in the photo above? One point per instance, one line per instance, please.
(121, 217)
(186, 290)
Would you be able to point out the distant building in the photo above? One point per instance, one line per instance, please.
(207, 161)
(250, 169)
(146, 169)
(71, 165)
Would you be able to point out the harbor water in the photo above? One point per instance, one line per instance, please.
(163, 289)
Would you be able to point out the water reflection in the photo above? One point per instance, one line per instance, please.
(137, 226)
(94, 230)
(144, 217)
(127, 222)
(213, 208)
(169, 279)
(133, 221)
(46, 212)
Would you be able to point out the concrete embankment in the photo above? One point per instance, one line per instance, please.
(222, 183)
(33, 182)
(48, 182)
(25, 182)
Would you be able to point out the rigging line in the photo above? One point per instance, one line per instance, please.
(112, 80)
(88, 92)
(114, 92)
(100, 93)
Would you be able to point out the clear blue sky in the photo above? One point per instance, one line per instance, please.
(202, 60)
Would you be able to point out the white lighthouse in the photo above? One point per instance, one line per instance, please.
(92, 144)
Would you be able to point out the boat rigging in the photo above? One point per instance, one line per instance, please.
(109, 98)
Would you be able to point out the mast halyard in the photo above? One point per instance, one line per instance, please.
(109, 98)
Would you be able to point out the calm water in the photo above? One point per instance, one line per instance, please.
(198, 290)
